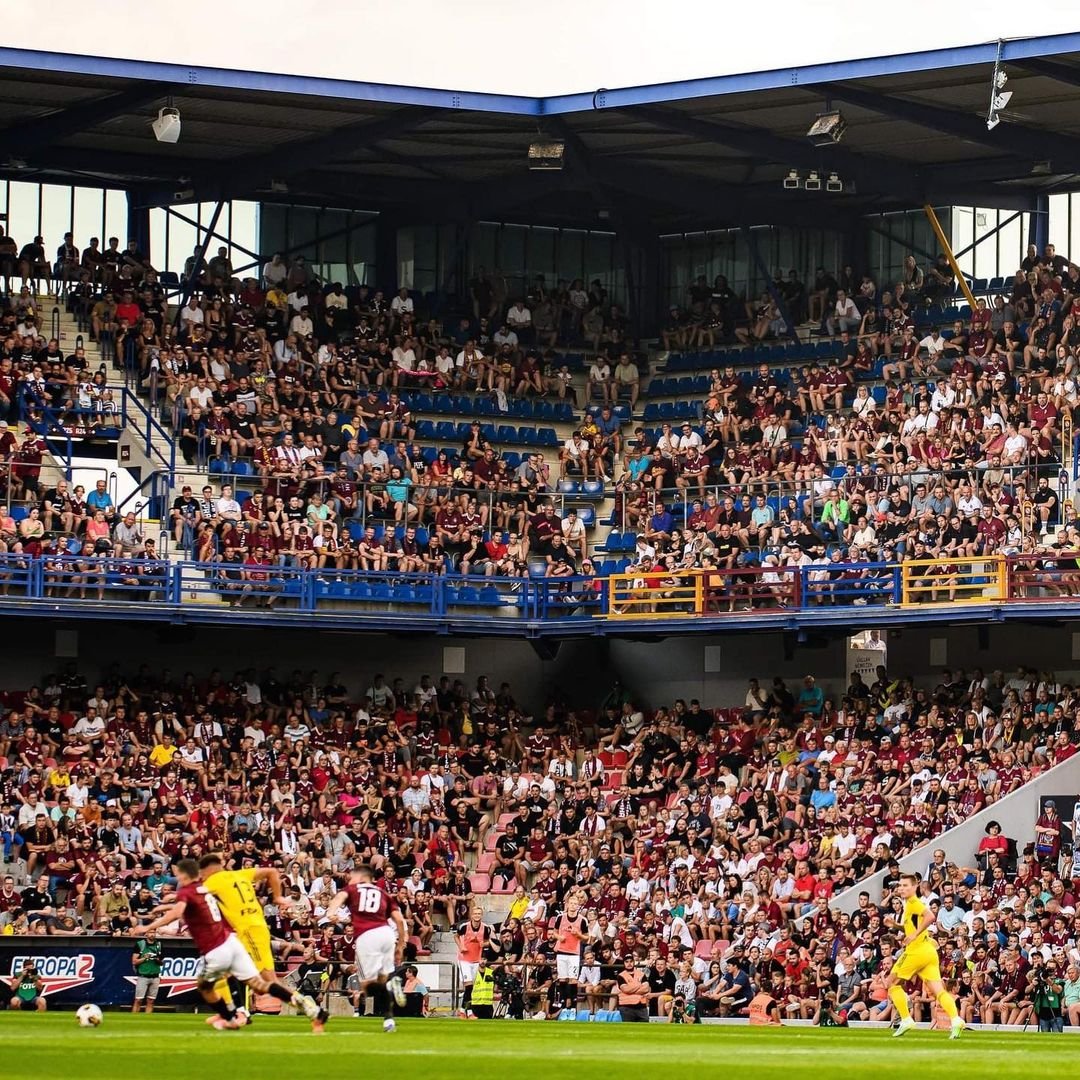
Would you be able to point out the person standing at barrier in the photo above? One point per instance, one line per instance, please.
(633, 990)
(471, 937)
(572, 931)
(482, 999)
(147, 963)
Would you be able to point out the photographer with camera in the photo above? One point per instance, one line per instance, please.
(681, 1011)
(828, 1012)
(1044, 989)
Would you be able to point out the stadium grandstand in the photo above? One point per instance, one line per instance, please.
(661, 496)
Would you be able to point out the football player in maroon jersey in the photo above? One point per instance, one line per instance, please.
(380, 946)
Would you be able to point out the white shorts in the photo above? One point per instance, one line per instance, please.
(375, 950)
(230, 958)
(468, 971)
(568, 966)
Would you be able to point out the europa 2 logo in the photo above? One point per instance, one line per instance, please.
(58, 973)
(179, 975)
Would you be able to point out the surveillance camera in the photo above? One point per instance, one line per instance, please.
(185, 195)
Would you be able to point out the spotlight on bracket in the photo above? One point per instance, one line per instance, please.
(793, 181)
(546, 156)
(834, 183)
(813, 180)
(827, 128)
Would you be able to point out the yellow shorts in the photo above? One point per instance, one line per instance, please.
(921, 962)
(256, 940)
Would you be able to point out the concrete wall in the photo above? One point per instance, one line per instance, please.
(1016, 814)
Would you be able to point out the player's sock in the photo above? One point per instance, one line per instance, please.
(223, 990)
(945, 1000)
(899, 999)
(283, 993)
(225, 1009)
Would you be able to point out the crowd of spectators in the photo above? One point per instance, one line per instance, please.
(911, 442)
(707, 844)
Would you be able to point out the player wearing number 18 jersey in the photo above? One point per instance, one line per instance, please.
(379, 945)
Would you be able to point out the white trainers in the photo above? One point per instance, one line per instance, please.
(905, 1025)
(395, 988)
(309, 1006)
(957, 1025)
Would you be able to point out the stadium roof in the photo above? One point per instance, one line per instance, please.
(704, 153)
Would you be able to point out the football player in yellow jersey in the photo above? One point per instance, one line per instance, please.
(918, 957)
(234, 891)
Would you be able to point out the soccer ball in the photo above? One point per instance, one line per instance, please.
(389, 1025)
(88, 1015)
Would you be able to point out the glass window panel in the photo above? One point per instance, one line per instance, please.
(55, 214)
(22, 209)
(542, 254)
(89, 203)
(158, 255)
(511, 256)
(1058, 228)
(1073, 252)
(571, 255)
(116, 214)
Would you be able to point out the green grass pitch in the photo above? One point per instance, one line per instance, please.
(33, 1046)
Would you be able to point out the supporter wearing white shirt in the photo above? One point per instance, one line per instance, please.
(968, 504)
(301, 325)
(191, 314)
(90, 727)
(845, 843)
(79, 794)
(285, 350)
(519, 317)
(1015, 443)
(402, 303)
(599, 371)
(934, 344)
(944, 397)
(637, 888)
(690, 438)
(297, 301)
(256, 734)
(201, 394)
(297, 730)
(668, 444)
(404, 356)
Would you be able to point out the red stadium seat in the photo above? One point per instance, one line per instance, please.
(503, 819)
(492, 839)
(485, 862)
(501, 886)
(480, 883)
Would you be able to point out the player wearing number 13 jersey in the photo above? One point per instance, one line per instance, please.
(234, 891)
(380, 934)
(221, 951)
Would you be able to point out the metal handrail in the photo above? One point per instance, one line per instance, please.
(702, 593)
(133, 407)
